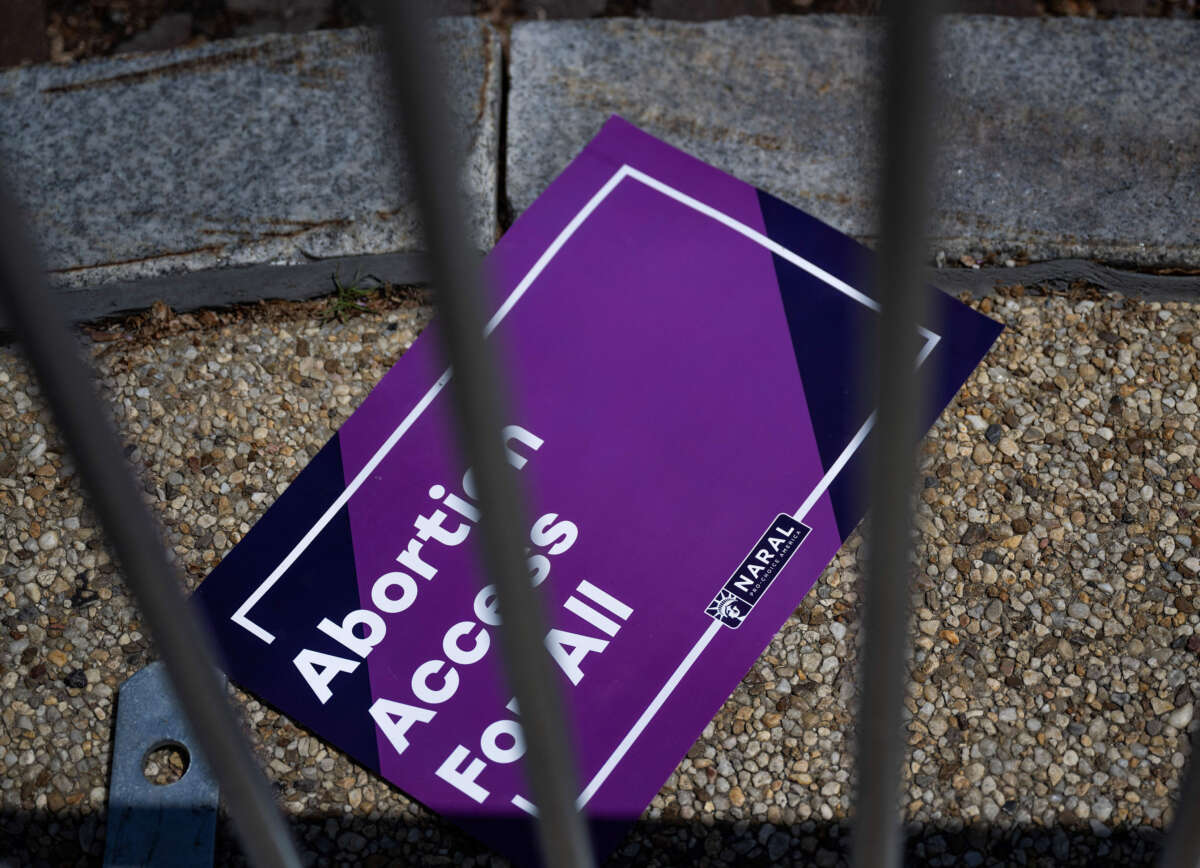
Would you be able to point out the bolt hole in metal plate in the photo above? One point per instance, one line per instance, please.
(165, 763)
(162, 798)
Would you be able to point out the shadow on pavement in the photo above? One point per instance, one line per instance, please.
(45, 838)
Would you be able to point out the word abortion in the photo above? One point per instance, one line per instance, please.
(395, 591)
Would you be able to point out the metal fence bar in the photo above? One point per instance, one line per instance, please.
(185, 645)
(1183, 839)
(419, 82)
(906, 151)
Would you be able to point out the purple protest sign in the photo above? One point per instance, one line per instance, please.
(690, 425)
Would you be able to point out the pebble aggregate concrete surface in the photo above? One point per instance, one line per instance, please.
(1056, 637)
(272, 149)
(1061, 137)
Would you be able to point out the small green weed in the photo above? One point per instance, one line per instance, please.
(349, 299)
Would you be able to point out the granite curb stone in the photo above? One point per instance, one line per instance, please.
(273, 149)
(1060, 137)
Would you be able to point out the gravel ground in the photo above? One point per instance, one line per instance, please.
(1056, 640)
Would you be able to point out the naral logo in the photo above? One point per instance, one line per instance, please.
(751, 580)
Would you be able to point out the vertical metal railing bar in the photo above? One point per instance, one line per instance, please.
(183, 642)
(1183, 838)
(419, 82)
(906, 152)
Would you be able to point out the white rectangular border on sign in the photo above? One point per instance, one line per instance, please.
(241, 616)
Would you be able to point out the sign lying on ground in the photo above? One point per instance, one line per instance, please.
(690, 425)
